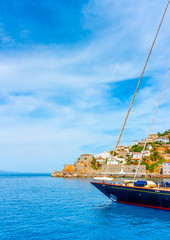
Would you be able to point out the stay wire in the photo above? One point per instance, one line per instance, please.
(137, 87)
(146, 140)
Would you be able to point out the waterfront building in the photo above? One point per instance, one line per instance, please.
(166, 168)
(123, 169)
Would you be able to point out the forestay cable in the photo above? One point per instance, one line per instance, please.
(146, 140)
(138, 85)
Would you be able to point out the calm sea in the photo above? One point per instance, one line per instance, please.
(41, 207)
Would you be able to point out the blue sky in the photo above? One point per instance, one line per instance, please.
(68, 71)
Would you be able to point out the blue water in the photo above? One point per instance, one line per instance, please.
(41, 207)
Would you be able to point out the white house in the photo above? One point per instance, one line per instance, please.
(165, 140)
(129, 154)
(112, 161)
(166, 168)
(121, 160)
(105, 154)
(159, 139)
(146, 153)
(120, 147)
(116, 160)
(162, 139)
(136, 155)
(149, 146)
(134, 142)
(100, 160)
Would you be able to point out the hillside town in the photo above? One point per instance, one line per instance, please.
(124, 160)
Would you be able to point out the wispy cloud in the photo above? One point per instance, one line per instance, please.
(58, 101)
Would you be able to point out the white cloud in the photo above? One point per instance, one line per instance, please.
(55, 103)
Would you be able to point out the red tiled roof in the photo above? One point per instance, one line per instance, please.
(86, 154)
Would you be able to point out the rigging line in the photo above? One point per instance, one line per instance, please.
(146, 140)
(138, 85)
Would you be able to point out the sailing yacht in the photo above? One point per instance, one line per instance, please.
(137, 192)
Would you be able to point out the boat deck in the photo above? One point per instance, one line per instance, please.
(132, 186)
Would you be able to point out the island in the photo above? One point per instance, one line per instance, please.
(123, 162)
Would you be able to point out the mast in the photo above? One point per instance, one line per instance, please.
(138, 84)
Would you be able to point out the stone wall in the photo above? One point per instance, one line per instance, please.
(123, 169)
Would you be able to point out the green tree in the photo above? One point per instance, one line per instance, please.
(154, 156)
(135, 148)
(146, 164)
(93, 163)
(168, 151)
(161, 160)
(152, 166)
(136, 162)
(128, 161)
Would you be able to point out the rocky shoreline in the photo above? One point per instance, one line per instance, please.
(64, 174)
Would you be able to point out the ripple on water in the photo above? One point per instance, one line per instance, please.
(56, 208)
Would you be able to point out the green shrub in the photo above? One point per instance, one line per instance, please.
(152, 166)
(146, 164)
(135, 148)
(93, 163)
(161, 160)
(168, 151)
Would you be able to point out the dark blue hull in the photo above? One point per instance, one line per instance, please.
(136, 195)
